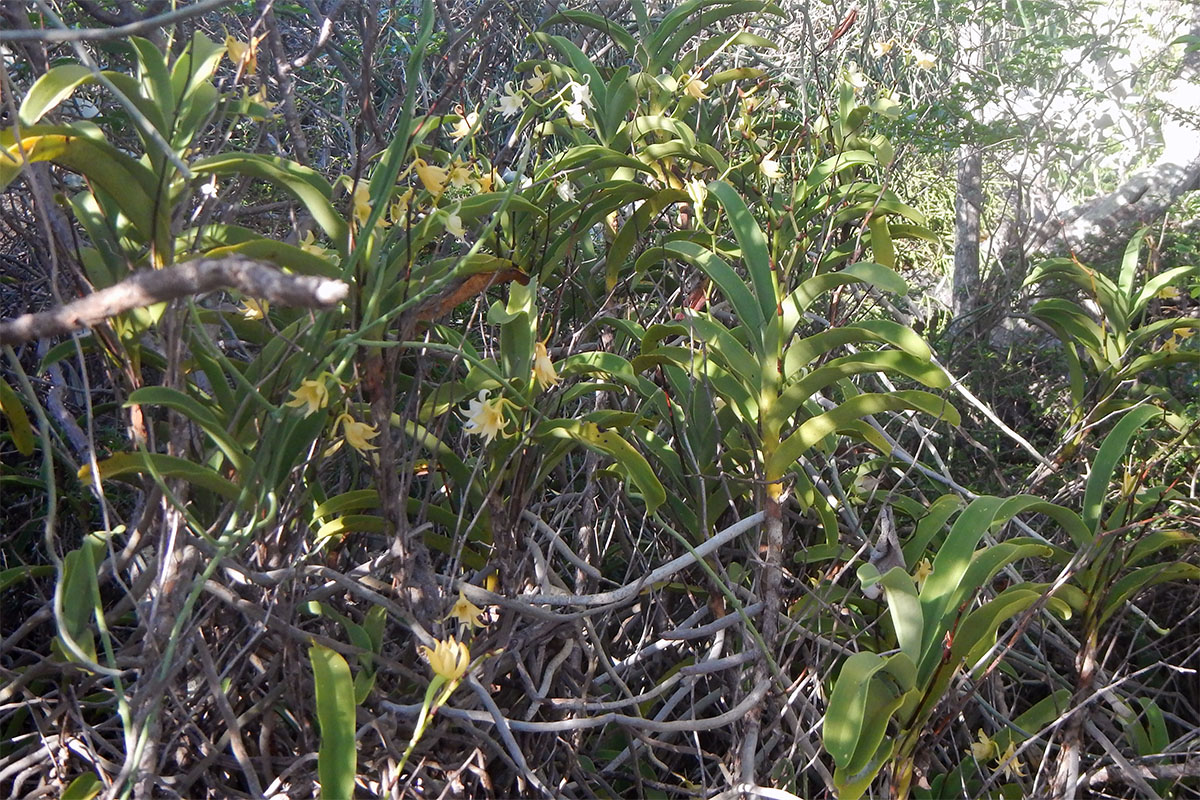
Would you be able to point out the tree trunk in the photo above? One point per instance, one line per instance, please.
(967, 202)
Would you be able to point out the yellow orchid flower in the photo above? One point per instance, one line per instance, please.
(463, 127)
(539, 80)
(769, 167)
(695, 87)
(923, 59)
(486, 417)
(433, 178)
(1009, 763)
(243, 54)
(486, 181)
(466, 612)
(254, 309)
(312, 393)
(543, 368)
(357, 434)
(459, 174)
(924, 570)
(984, 748)
(448, 658)
(881, 49)
(309, 245)
(360, 197)
(398, 211)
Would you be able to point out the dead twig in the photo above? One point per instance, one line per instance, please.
(147, 287)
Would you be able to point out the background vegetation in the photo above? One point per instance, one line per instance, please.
(719, 399)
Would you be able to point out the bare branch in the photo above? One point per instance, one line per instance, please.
(144, 288)
(108, 34)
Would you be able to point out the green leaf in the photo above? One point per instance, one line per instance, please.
(304, 184)
(1129, 263)
(977, 633)
(1105, 464)
(817, 428)
(126, 463)
(1129, 586)
(610, 443)
(635, 229)
(80, 595)
(153, 76)
(881, 242)
(51, 89)
(194, 66)
(891, 361)
(207, 419)
(722, 275)
(849, 712)
(619, 35)
(355, 500)
(903, 605)
(129, 182)
(18, 420)
(85, 787)
(352, 523)
(337, 757)
(14, 575)
(755, 255)
(931, 523)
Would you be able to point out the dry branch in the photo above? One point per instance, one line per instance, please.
(147, 287)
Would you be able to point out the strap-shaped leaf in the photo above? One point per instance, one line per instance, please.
(804, 351)
(848, 708)
(930, 525)
(128, 182)
(753, 244)
(304, 184)
(891, 361)
(48, 91)
(621, 37)
(208, 419)
(337, 755)
(722, 344)
(194, 66)
(945, 589)
(1129, 263)
(800, 298)
(120, 464)
(634, 229)
(1156, 284)
(813, 430)
(18, 421)
(610, 443)
(903, 606)
(1142, 578)
(1115, 445)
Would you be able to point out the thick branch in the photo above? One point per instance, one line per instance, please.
(147, 287)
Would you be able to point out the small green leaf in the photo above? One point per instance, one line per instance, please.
(337, 756)
(18, 421)
(85, 787)
(13, 575)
